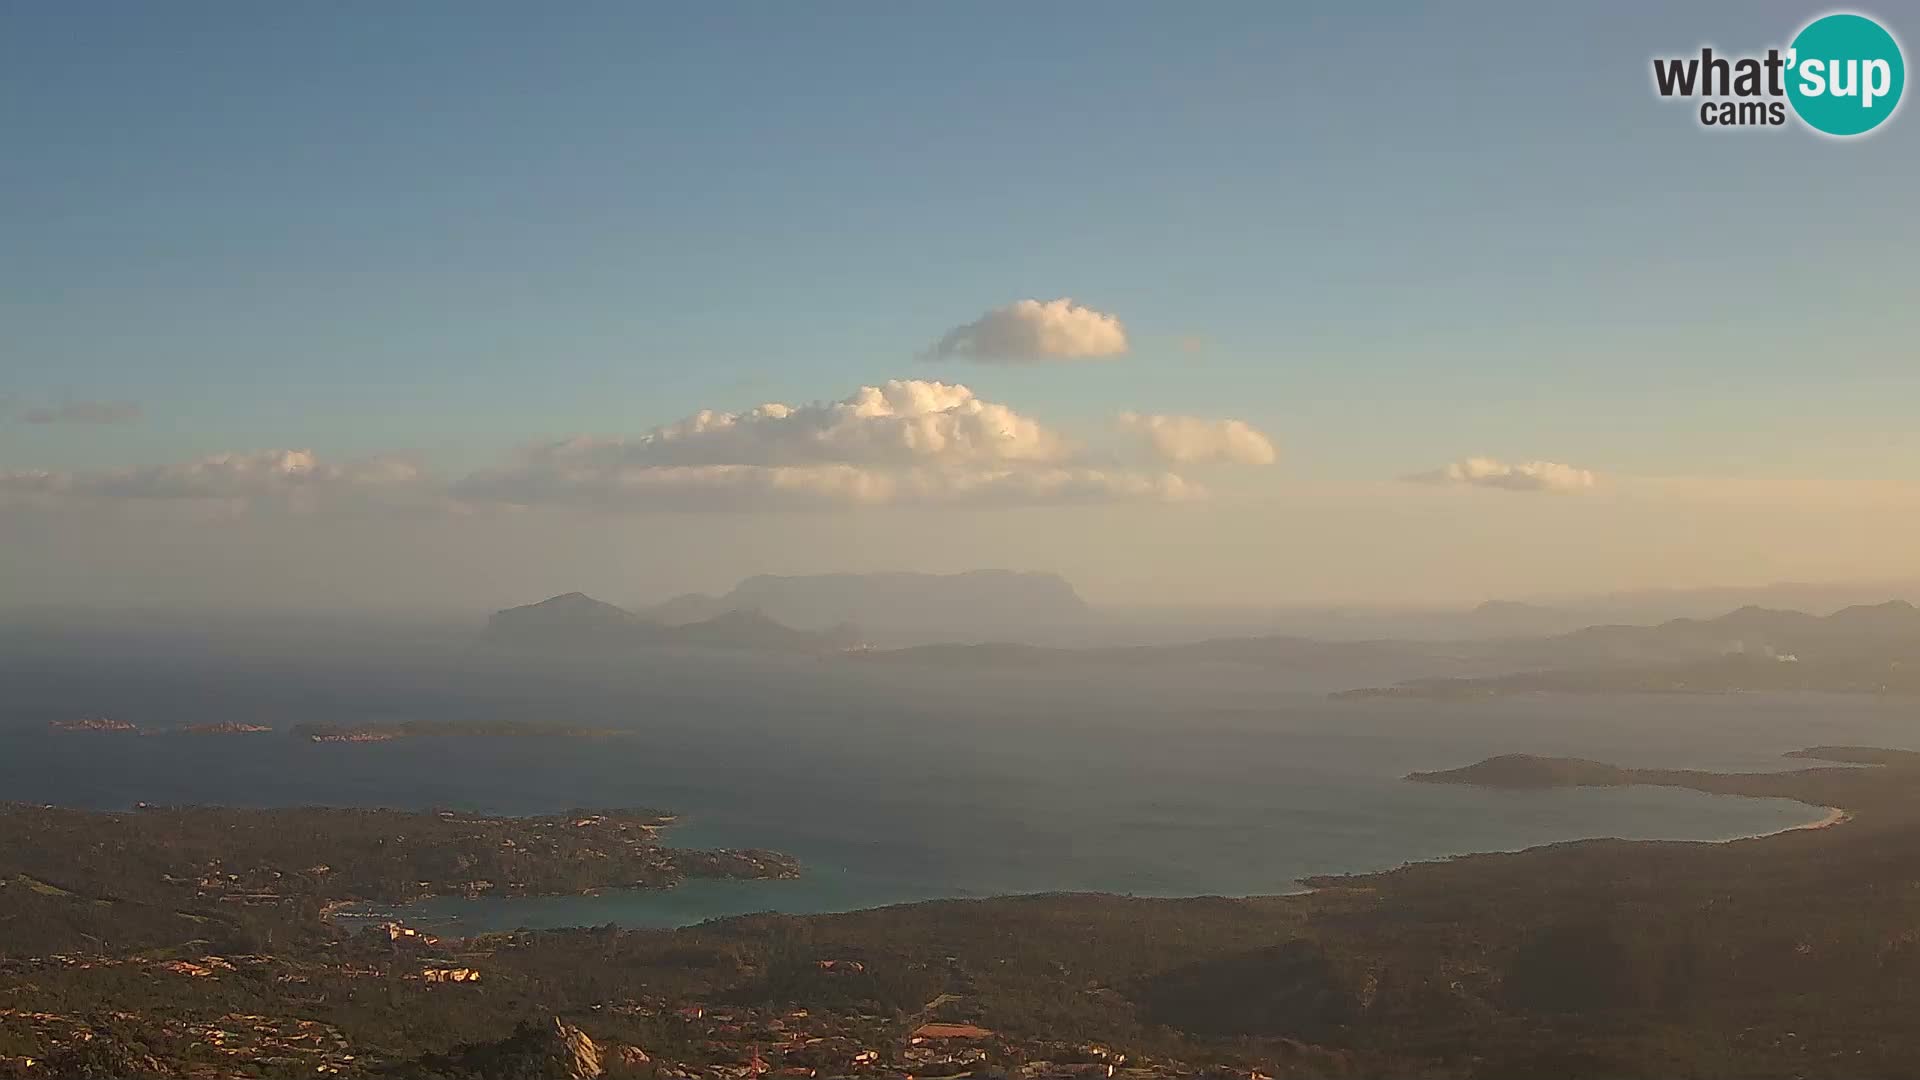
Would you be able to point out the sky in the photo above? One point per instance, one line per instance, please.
(457, 305)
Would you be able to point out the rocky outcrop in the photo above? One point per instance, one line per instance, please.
(92, 723)
(576, 1053)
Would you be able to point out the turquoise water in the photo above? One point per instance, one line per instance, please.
(1265, 858)
(946, 786)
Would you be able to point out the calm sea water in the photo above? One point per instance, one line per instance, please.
(909, 786)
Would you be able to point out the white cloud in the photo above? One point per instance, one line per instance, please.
(903, 442)
(762, 487)
(906, 441)
(901, 422)
(1194, 440)
(294, 478)
(1549, 476)
(1030, 331)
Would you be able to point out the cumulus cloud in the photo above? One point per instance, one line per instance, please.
(905, 441)
(85, 412)
(1034, 331)
(901, 422)
(1548, 476)
(1194, 440)
(759, 487)
(293, 478)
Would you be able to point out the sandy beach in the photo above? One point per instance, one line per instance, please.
(1834, 816)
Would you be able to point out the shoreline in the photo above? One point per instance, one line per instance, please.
(1834, 816)
(452, 923)
(350, 911)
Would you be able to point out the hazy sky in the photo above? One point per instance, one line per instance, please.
(366, 304)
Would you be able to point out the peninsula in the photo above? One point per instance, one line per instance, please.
(1777, 956)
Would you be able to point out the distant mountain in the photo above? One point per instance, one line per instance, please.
(1856, 649)
(1869, 648)
(1537, 617)
(966, 606)
(577, 621)
(569, 614)
(1887, 630)
(1271, 652)
(754, 630)
(1648, 606)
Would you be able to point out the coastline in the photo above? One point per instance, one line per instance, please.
(1834, 816)
(463, 925)
(698, 900)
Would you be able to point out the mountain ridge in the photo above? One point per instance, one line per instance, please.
(575, 620)
(976, 603)
(1864, 648)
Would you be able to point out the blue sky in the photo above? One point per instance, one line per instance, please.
(1401, 235)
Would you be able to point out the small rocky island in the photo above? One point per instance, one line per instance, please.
(92, 725)
(223, 727)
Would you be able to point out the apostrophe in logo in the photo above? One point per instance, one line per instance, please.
(1842, 76)
(1845, 74)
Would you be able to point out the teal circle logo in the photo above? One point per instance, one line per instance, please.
(1845, 74)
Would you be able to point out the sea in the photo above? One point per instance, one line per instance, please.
(901, 784)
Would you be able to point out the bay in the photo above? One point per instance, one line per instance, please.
(897, 788)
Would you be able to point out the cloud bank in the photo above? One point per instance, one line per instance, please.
(1193, 440)
(1534, 476)
(1034, 331)
(902, 442)
(901, 422)
(293, 478)
(905, 441)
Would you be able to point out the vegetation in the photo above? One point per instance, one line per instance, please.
(81, 880)
(1789, 955)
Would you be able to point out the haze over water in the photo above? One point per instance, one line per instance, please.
(901, 785)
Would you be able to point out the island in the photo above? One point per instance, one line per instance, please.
(92, 725)
(223, 727)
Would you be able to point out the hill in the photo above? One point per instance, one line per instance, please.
(1868, 630)
(1269, 650)
(1862, 649)
(974, 604)
(1789, 955)
(1868, 648)
(575, 621)
(571, 614)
